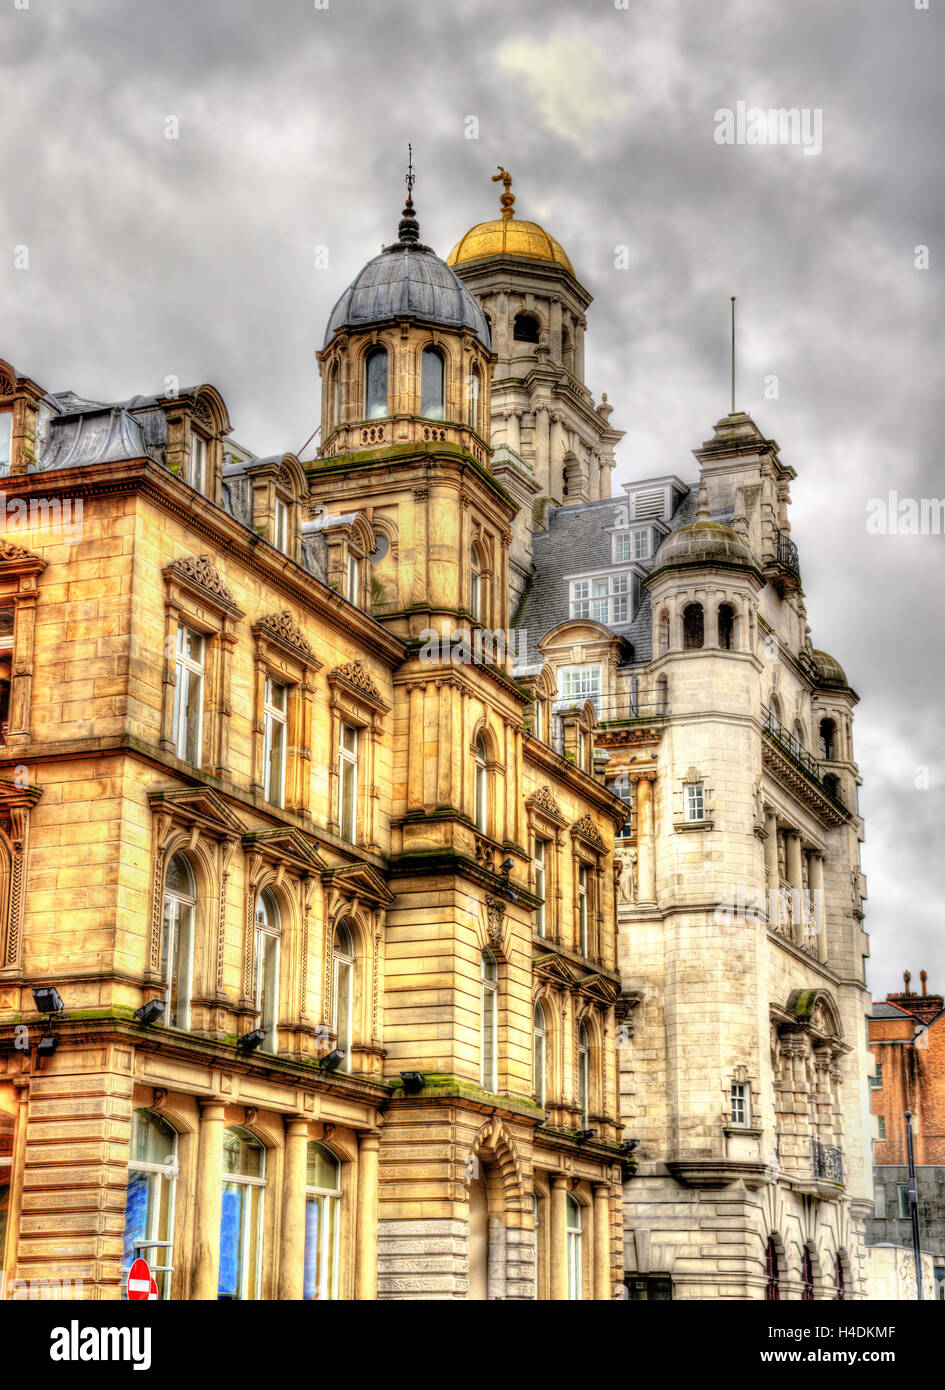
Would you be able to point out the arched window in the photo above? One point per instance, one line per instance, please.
(334, 396)
(525, 328)
(567, 351)
(539, 1053)
(573, 1228)
(663, 634)
(475, 583)
(832, 785)
(6, 1173)
(489, 976)
(375, 384)
(584, 1074)
(540, 872)
(481, 786)
(177, 942)
(693, 626)
(241, 1220)
(322, 1223)
(342, 1018)
(839, 1279)
(774, 708)
(828, 739)
(474, 387)
(266, 968)
(149, 1199)
(726, 626)
(432, 381)
(772, 1273)
(807, 1277)
(583, 889)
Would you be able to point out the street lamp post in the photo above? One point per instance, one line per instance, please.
(914, 1206)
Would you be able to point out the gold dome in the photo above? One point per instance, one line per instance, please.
(508, 236)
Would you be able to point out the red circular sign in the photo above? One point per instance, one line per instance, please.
(139, 1282)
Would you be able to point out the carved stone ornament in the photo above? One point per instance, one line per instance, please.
(587, 830)
(544, 801)
(283, 627)
(197, 571)
(353, 674)
(495, 910)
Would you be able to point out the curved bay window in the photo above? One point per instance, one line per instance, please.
(343, 989)
(432, 384)
(693, 626)
(177, 941)
(375, 384)
(574, 1232)
(6, 1169)
(266, 967)
(540, 1053)
(489, 976)
(322, 1223)
(481, 785)
(241, 1220)
(772, 1273)
(149, 1199)
(807, 1277)
(584, 1074)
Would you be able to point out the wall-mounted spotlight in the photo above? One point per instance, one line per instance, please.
(250, 1041)
(507, 866)
(628, 1146)
(413, 1082)
(47, 1045)
(334, 1059)
(151, 1011)
(47, 999)
(584, 1134)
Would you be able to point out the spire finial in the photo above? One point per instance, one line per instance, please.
(506, 199)
(702, 510)
(409, 228)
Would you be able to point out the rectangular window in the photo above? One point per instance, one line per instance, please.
(580, 683)
(322, 1229)
(267, 986)
(348, 782)
(275, 712)
(352, 591)
(582, 909)
(6, 440)
(149, 1222)
(188, 695)
(877, 1080)
(280, 525)
(6, 1167)
(540, 889)
(605, 599)
(741, 1109)
(695, 801)
(197, 463)
(241, 1238)
(902, 1190)
(641, 545)
(881, 1126)
(879, 1202)
(6, 666)
(631, 545)
(622, 547)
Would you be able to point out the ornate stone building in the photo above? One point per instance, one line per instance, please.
(310, 1022)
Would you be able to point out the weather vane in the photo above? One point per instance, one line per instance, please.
(410, 174)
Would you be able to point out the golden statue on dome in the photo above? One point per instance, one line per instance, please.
(507, 198)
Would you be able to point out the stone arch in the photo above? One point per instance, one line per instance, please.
(210, 408)
(495, 1146)
(816, 1010)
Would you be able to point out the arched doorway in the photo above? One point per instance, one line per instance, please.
(478, 1236)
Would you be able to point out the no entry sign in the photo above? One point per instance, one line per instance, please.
(140, 1283)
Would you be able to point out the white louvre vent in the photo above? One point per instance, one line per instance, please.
(650, 502)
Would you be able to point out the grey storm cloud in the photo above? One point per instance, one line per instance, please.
(197, 257)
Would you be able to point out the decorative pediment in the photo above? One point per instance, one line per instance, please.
(551, 966)
(816, 1010)
(15, 559)
(598, 987)
(360, 881)
(195, 572)
(197, 806)
(354, 678)
(585, 829)
(282, 629)
(543, 801)
(285, 846)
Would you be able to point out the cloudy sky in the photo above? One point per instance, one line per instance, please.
(203, 257)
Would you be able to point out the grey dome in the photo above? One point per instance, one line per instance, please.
(829, 670)
(703, 543)
(411, 280)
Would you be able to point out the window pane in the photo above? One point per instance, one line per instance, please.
(431, 394)
(376, 384)
(343, 990)
(322, 1168)
(242, 1154)
(348, 799)
(231, 1232)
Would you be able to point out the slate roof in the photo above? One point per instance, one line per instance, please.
(408, 280)
(884, 1010)
(578, 540)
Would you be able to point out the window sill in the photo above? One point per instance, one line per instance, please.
(681, 826)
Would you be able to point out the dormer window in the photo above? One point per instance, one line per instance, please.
(197, 462)
(280, 524)
(375, 384)
(632, 545)
(432, 379)
(6, 440)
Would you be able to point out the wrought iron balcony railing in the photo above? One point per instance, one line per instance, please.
(791, 744)
(787, 553)
(828, 1162)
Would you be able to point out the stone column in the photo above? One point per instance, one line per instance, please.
(415, 750)
(646, 856)
(513, 437)
(208, 1198)
(443, 744)
(602, 1272)
(794, 876)
(771, 867)
(817, 903)
(542, 454)
(292, 1262)
(366, 1249)
(579, 328)
(558, 1244)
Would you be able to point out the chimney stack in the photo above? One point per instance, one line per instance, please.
(922, 1006)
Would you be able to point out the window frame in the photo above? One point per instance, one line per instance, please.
(574, 1235)
(171, 937)
(430, 353)
(583, 1056)
(605, 598)
(348, 781)
(488, 1040)
(693, 799)
(160, 1173)
(540, 883)
(267, 1003)
(740, 1105)
(481, 788)
(376, 353)
(583, 901)
(566, 674)
(346, 960)
(539, 1053)
(247, 1184)
(328, 1201)
(275, 718)
(186, 670)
